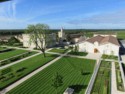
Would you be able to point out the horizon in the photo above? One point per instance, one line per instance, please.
(75, 14)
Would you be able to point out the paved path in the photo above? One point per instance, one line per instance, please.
(113, 81)
(94, 55)
(2, 67)
(30, 75)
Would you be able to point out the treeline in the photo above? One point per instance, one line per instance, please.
(21, 31)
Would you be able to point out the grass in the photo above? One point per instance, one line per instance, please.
(102, 83)
(61, 51)
(121, 34)
(120, 85)
(78, 53)
(110, 57)
(12, 53)
(23, 68)
(2, 48)
(69, 68)
(16, 58)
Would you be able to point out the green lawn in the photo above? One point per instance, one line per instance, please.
(69, 68)
(2, 48)
(16, 58)
(61, 51)
(15, 72)
(103, 80)
(78, 53)
(12, 53)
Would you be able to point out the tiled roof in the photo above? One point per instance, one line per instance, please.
(103, 40)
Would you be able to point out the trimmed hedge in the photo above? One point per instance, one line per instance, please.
(5, 50)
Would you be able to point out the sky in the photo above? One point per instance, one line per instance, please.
(69, 14)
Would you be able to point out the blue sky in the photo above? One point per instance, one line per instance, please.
(75, 14)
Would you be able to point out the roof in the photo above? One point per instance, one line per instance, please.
(96, 38)
(81, 39)
(75, 35)
(103, 40)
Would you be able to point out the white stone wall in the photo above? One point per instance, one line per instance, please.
(26, 41)
(108, 48)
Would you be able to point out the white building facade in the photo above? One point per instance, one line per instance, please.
(51, 41)
(105, 45)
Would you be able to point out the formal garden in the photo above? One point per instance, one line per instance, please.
(13, 73)
(75, 73)
(102, 84)
(119, 80)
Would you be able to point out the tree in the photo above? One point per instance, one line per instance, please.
(38, 36)
(57, 81)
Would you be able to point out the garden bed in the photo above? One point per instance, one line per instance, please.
(119, 80)
(110, 57)
(102, 84)
(69, 68)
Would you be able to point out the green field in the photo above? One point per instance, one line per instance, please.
(67, 67)
(15, 72)
(12, 53)
(103, 80)
(61, 51)
(121, 35)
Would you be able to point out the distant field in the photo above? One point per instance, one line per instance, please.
(13, 73)
(121, 35)
(69, 68)
(12, 53)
